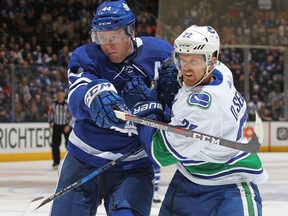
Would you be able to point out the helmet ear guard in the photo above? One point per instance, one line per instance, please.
(129, 30)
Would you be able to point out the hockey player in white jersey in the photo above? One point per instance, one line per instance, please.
(97, 75)
(210, 179)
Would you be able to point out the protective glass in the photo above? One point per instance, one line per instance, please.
(109, 37)
(186, 60)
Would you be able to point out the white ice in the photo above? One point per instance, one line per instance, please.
(21, 182)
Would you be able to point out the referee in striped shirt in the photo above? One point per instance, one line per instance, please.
(61, 122)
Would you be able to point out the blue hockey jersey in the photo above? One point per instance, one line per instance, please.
(88, 142)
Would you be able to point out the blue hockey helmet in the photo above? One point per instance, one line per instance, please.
(113, 15)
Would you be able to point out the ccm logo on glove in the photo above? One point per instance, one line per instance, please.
(96, 90)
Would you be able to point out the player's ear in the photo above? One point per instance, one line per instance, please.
(133, 32)
(212, 63)
(214, 60)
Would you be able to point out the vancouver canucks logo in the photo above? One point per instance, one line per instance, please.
(202, 100)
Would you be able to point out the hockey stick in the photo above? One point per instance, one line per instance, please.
(252, 146)
(41, 201)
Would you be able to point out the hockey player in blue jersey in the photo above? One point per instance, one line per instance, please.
(210, 180)
(97, 74)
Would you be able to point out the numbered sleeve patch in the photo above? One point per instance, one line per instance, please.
(202, 100)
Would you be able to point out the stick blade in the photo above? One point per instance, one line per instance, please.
(258, 129)
(33, 205)
(120, 115)
(256, 140)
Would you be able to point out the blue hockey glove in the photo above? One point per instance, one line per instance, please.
(101, 99)
(168, 82)
(135, 90)
(148, 109)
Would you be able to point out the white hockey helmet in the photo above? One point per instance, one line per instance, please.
(198, 40)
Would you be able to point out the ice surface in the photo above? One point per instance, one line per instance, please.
(21, 182)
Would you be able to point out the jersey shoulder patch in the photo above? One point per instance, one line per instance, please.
(202, 100)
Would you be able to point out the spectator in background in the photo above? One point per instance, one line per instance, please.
(276, 95)
(59, 118)
(277, 111)
(25, 90)
(19, 113)
(275, 102)
(265, 114)
(251, 107)
(43, 80)
(265, 4)
(3, 57)
(32, 111)
(64, 56)
(268, 65)
(42, 106)
(4, 114)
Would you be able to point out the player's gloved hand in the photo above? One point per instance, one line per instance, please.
(168, 82)
(135, 90)
(148, 109)
(101, 99)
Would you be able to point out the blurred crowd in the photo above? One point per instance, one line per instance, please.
(37, 38)
(266, 80)
(257, 22)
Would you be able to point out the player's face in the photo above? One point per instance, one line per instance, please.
(193, 67)
(61, 96)
(116, 44)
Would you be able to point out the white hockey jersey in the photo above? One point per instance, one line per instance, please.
(216, 109)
